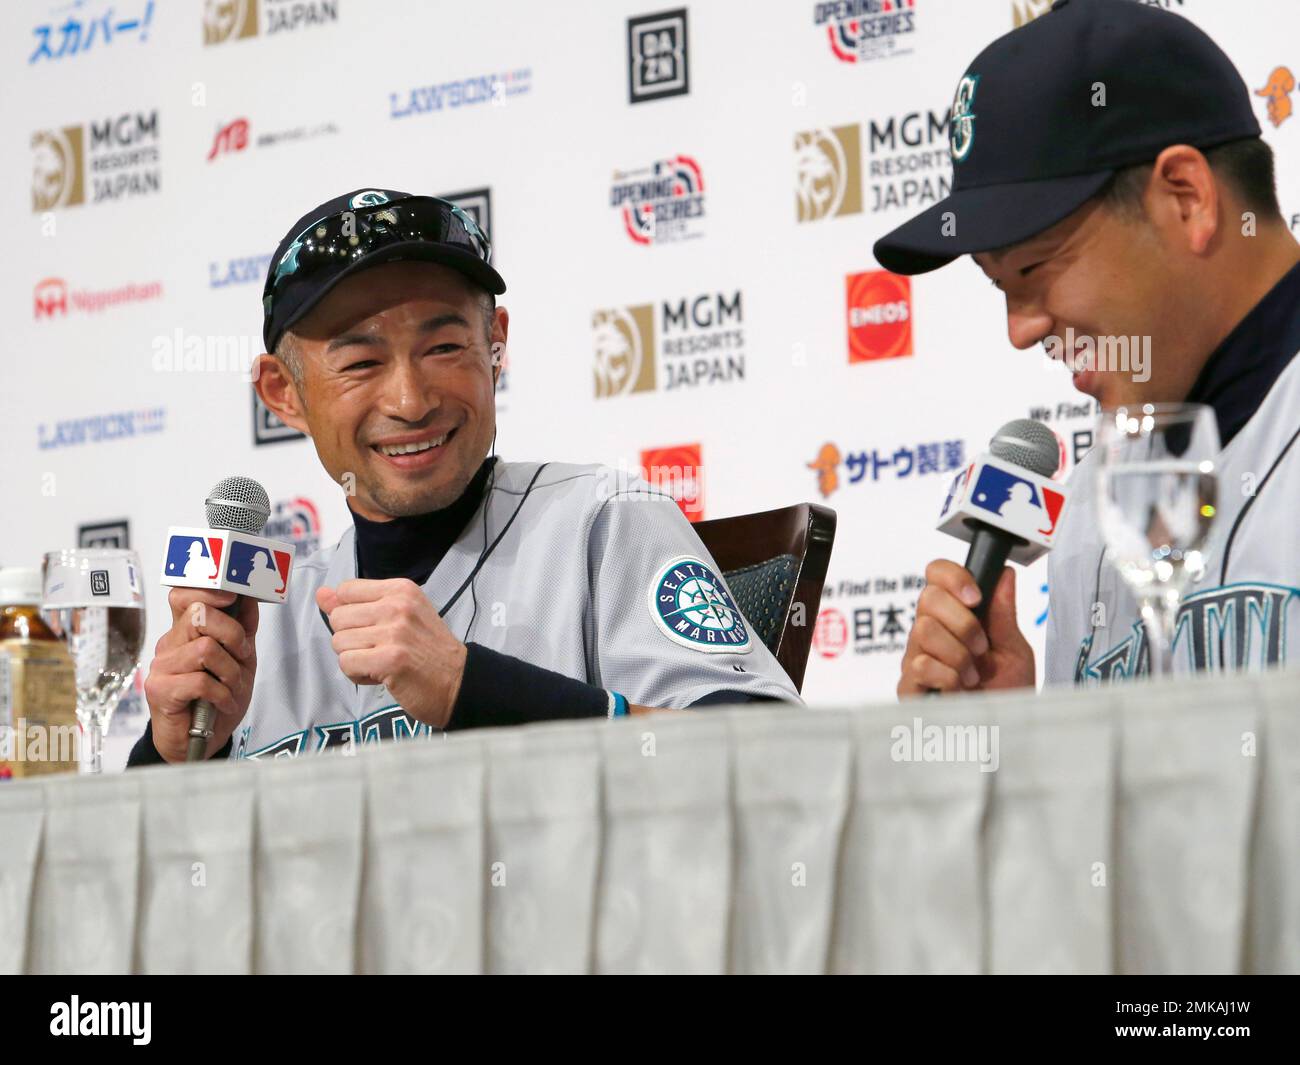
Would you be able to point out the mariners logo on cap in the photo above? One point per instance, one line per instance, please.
(692, 607)
(370, 198)
(961, 132)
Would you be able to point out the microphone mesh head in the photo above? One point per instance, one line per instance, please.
(239, 504)
(1027, 443)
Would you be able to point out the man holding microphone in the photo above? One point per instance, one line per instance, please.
(469, 591)
(1109, 179)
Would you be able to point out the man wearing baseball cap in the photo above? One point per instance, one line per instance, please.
(1110, 180)
(470, 591)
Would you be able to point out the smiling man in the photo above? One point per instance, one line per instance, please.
(470, 591)
(1110, 180)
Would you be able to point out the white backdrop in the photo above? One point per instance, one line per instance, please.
(211, 150)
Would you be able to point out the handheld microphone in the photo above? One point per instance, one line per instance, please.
(1005, 503)
(228, 556)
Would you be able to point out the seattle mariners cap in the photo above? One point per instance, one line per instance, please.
(364, 228)
(1045, 116)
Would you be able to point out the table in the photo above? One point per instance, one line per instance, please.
(1148, 827)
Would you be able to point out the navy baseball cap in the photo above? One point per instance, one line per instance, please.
(361, 229)
(1045, 116)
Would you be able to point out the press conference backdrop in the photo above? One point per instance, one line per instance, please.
(682, 199)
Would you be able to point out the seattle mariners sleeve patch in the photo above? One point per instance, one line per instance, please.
(692, 607)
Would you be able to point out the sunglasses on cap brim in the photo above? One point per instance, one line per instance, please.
(332, 242)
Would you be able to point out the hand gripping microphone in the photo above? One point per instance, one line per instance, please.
(229, 556)
(1005, 503)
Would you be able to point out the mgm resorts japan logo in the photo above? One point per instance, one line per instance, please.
(694, 341)
(118, 154)
(828, 173)
(233, 20)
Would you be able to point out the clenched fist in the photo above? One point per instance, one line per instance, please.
(949, 650)
(206, 654)
(387, 632)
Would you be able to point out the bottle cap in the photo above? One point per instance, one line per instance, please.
(20, 586)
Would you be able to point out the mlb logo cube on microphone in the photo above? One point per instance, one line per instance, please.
(1009, 496)
(992, 492)
(228, 561)
(193, 558)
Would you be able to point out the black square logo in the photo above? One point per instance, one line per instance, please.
(658, 63)
(105, 534)
(99, 582)
(477, 203)
(267, 428)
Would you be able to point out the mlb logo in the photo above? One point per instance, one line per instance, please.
(1017, 500)
(193, 559)
(955, 490)
(261, 570)
(99, 582)
(657, 57)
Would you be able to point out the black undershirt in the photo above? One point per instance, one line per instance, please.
(413, 546)
(1241, 370)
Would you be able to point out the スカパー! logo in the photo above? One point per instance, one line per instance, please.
(692, 607)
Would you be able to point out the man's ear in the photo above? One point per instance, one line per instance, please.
(276, 387)
(1184, 182)
(500, 327)
(500, 330)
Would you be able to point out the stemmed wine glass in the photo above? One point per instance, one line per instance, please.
(1156, 496)
(94, 600)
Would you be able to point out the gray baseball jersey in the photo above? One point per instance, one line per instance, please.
(596, 578)
(1238, 615)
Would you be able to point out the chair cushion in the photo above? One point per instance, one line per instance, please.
(763, 592)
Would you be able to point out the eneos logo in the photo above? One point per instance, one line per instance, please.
(879, 312)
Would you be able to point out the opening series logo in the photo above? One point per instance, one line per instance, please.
(879, 315)
(119, 155)
(861, 30)
(236, 20)
(295, 521)
(661, 202)
(697, 340)
(658, 59)
(828, 173)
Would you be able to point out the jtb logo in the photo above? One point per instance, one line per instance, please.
(1017, 500)
(252, 566)
(194, 558)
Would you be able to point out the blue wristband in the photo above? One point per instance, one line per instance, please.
(618, 705)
